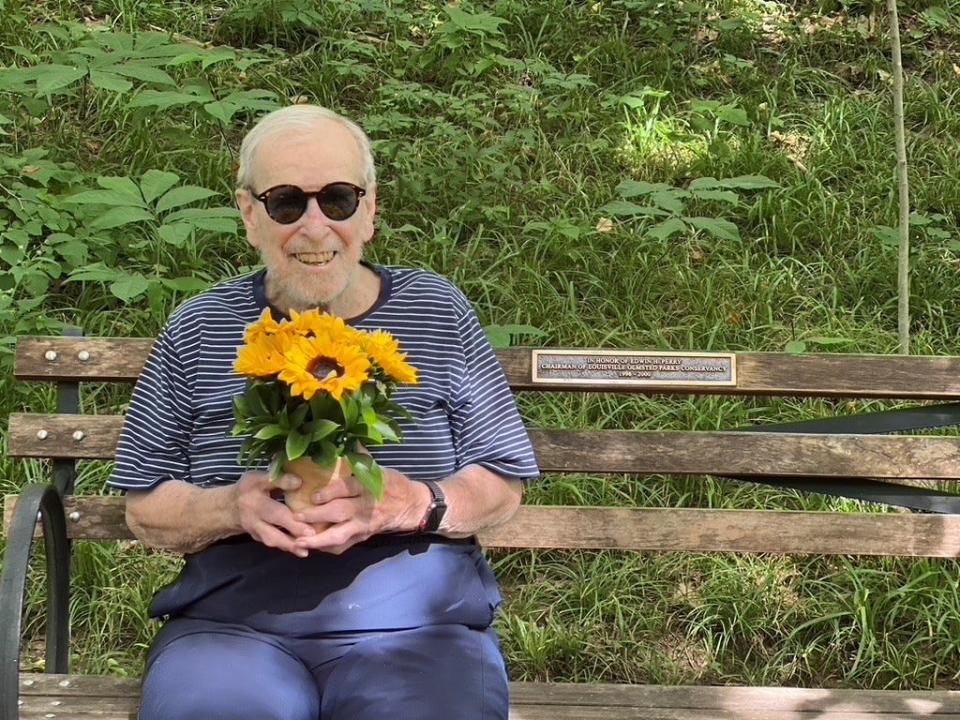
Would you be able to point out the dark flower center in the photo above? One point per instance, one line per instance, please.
(322, 366)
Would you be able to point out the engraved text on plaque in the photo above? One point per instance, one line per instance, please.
(631, 368)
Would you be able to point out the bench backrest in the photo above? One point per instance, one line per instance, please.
(722, 453)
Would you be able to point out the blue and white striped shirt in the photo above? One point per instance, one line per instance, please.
(463, 412)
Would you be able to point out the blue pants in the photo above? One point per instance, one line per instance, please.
(396, 628)
(200, 670)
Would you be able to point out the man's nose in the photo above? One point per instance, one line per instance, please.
(313, 215)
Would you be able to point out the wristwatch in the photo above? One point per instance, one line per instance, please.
(436, 510)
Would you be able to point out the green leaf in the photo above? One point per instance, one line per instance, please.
(268, 432)
(144, 73)
(705, 183)
(796, 346)
(387, 432)
(175, 234)
(626, 208)
(129, 287)
(734, 115)
(120, 216)
(670, 200)
(154, 183)
(634, 188)
(299, 415)
(183, 195)
(477, 23)
(109, 81)
(366, 470)
(193, 214)
(216, 225)
(497, 337)
(96, 273)
(369, 436)
(276, 465)
(254, 401)
(829, 341)
(723, 229)
(104, 197)
(324, 407)
(667, 228)
(222, 111)
(216, 55)
(57, 77)
(719, 195)
(502, 336)
(185, 284)
(351, 411)
(741, 182)
(163, 99)
(297, 444)
(122, 185)
(241, 408)
(323, 428)
(886, 235)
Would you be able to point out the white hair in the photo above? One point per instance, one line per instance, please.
(299, 117)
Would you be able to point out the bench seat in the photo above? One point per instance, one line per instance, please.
(835, 453)
(89, 697)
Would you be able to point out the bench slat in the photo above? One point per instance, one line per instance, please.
(650, 529)
(609, 451)
(877, 376)
(109, 697)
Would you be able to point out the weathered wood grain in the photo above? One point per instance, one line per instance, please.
(73, 696)
(86, 437)
(108, 359)
(608, 451)
(648, 529)
(877, 376)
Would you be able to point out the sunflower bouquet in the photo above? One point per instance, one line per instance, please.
(318, 390)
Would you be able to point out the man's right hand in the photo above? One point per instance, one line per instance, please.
(175, 515)
(265, 519)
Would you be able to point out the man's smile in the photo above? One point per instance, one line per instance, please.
(315, 258)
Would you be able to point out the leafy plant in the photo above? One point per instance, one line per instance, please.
(669, 204)
(156, 203)
(318, 388)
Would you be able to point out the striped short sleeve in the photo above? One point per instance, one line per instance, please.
(154, 444)
(484, 421)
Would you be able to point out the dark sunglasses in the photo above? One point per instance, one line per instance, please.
(287, 203)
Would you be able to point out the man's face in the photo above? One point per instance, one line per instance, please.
(315, 261)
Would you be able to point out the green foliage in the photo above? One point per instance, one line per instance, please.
(501, 130)
(668, 205)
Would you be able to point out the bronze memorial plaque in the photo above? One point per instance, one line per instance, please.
(630, 368)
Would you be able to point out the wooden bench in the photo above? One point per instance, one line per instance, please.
(784, 452)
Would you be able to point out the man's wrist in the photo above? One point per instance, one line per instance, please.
(432, 518)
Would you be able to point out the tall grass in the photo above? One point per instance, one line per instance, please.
(499, 145)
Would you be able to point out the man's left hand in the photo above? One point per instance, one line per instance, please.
(355, 515)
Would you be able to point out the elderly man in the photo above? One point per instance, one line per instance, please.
(388, 611)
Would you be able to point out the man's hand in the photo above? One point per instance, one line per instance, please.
(267, 520)
(355, 515)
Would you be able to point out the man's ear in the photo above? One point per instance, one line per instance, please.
(247, 205)
(371, 199)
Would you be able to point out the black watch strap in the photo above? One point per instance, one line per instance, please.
(436, 511)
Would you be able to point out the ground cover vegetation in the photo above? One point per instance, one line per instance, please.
(714, 175)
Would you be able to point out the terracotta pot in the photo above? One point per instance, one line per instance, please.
(314, 478)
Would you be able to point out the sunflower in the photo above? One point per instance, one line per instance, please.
(312, 364)
(263, 327)
(263, 355)
(384, 350)
(319, 324)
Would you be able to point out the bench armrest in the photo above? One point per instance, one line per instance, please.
(45, 500)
